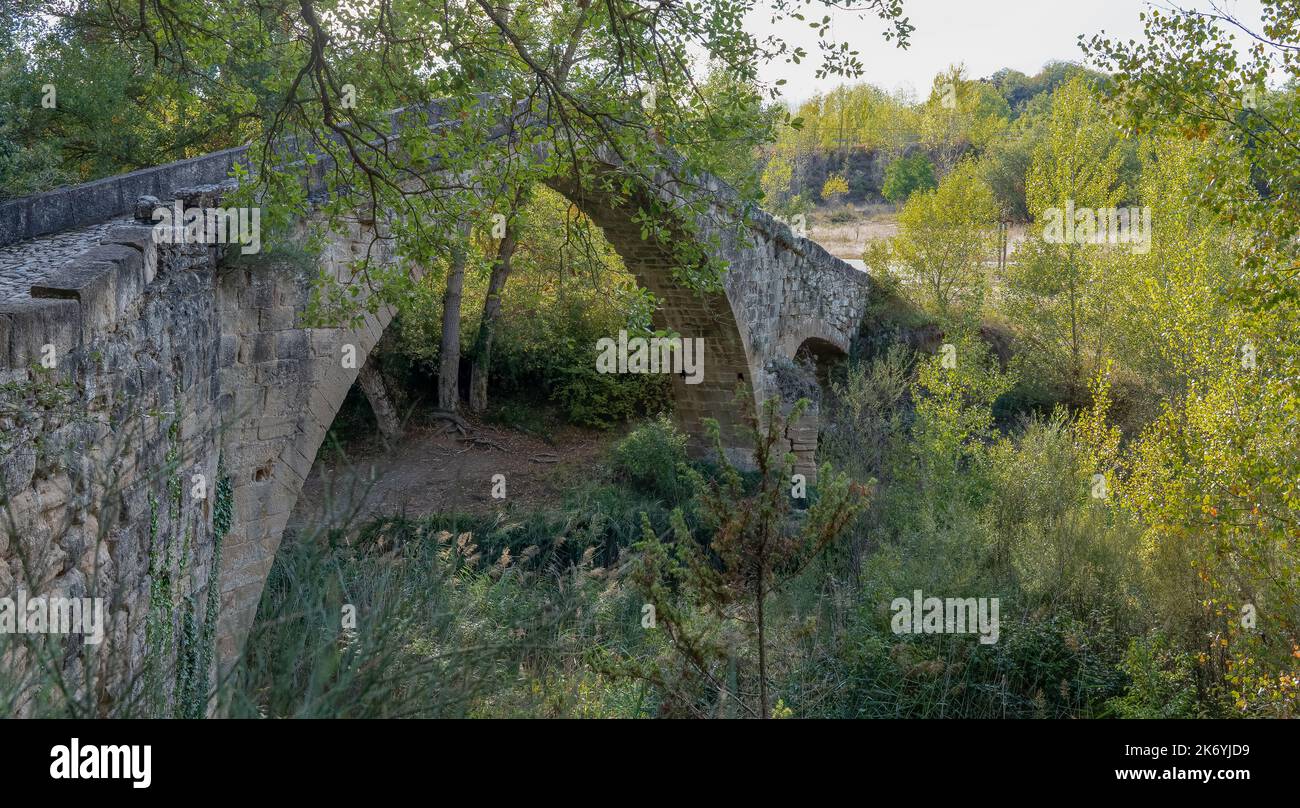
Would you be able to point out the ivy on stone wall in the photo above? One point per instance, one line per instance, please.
(189, 679)
(223, 515)
(197, 643)
(160, 626)
(158, 623)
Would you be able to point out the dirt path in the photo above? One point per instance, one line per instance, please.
(434, 471)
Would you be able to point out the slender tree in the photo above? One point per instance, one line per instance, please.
(501, 265)
(449, 347)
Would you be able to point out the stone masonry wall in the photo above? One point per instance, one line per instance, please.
(168, 362)
(100, 451)
(282, 384)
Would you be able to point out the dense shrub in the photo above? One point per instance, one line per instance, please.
(907, 175)
(964, 510)
(549, 353)
(456, 615)
(651, 457)
(1161, 681)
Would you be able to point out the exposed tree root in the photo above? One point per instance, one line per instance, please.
(453, 421)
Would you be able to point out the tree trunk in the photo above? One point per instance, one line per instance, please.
(478, 380)
(449, 350)
(372, 384)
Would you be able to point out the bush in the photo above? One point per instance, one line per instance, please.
(454, 617)
(966, 510)
(457, 615)
(553, 347)
(834, 189)
(651, 456)
(867, 412)
(844, 214)
(907, 175)
(1162, 681)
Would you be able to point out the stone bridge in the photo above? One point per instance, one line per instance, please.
(157, 461)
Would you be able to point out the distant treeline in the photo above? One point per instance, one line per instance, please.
(885, 146)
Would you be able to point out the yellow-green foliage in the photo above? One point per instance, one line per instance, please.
(960, 113)
(1060, 292)
(834, 188)
(945, 238)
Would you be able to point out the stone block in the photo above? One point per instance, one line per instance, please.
(263, 349)
(16, 470)
(273, 428)
(106, 280)
(277, 318)
(325, 342)
(140, 237)
(228, 350)
(31, 324)
(291, 345)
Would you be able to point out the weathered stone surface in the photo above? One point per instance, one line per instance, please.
(30, 325)
(93, 277)
(141, 237)
(144, 207)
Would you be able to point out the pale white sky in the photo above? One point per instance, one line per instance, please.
(984, 34)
